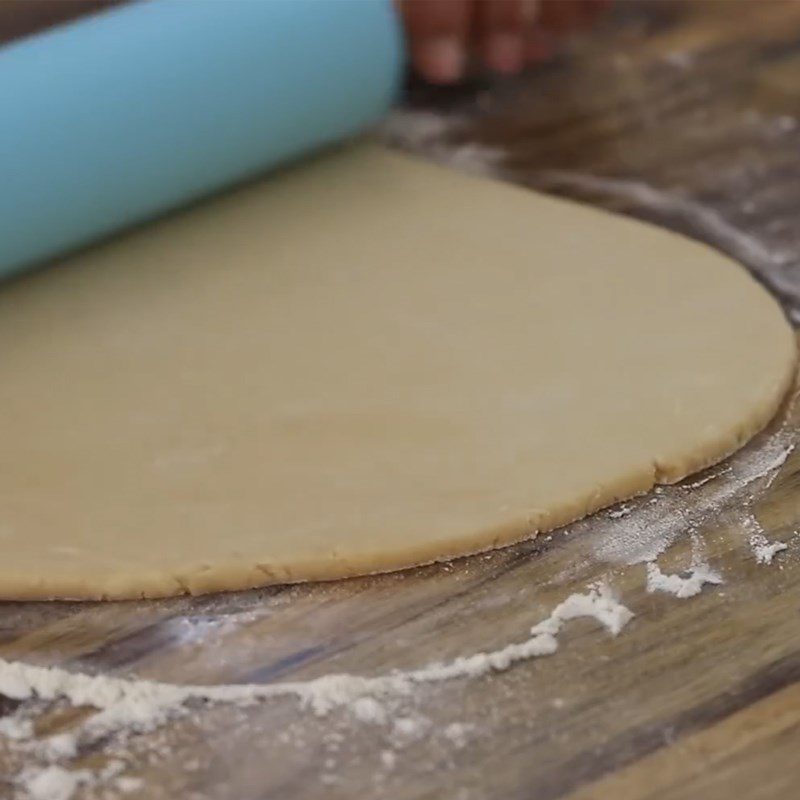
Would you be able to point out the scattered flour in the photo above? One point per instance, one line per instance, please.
(703, 481)
(143, 704)
(651, 525)
(125, 784)
(368, 709)
(406, 729)
(53, 783)
(682, 587)
(619, 513)
(418, 128)
(433, 135)
(13, 728)
(762, 548)
(458, 733)
(680, 59)
(765, 552)
(140, 705)
(60, 746)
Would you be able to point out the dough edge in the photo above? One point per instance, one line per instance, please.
(241, 576)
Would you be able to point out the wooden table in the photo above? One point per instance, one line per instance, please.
(686, 115)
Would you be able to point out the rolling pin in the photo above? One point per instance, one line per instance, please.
(116, 118)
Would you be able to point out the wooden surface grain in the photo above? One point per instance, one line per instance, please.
(684, 114)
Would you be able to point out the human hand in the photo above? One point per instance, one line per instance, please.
(506, 35)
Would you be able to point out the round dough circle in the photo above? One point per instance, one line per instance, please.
(358, 365)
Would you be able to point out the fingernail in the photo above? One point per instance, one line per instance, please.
(441, 60)
(504, 53)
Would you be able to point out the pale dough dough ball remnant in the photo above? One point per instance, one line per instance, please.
(360, 364)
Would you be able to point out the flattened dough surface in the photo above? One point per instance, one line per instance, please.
(360, 364)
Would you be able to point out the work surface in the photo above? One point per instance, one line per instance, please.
(683, 115)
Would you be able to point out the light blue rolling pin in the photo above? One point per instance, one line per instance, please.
(115, 118)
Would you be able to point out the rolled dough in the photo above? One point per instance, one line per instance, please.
(360, 364)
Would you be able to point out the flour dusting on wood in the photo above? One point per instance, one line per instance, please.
(130, 705)
(681, 586)
(649, 525)
(764, 550)
(434, 136)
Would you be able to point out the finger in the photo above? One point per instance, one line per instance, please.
(556, 21)
(539, 46)
(502, 34)
(560, 16)
(587, 12)
(592, 9)
(437, 33)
